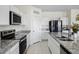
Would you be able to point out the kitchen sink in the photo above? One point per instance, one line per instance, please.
(63, 38)
(66, 39)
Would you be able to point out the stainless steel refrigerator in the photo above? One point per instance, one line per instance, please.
(55, 26)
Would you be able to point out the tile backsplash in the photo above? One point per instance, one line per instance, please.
(16, 27)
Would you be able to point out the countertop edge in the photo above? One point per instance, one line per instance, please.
(59, 42)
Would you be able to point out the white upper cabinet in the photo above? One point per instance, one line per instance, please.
(4, 15)
(25, 12)
(15, 9)
(36, 11)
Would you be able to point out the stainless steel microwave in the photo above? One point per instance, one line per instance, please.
(15, 19)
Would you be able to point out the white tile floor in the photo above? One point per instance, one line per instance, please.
(39, 48)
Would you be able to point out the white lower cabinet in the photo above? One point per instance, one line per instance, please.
(53, 45)
(14, 49)
(28, 40)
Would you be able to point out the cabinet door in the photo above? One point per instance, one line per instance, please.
(14, 49)
(54, 45)
(35, 29)
(28, 40)
(4, 15)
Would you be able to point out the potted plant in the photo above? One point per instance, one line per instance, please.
(75, 29)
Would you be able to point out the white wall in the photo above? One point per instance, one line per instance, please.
(4, 15)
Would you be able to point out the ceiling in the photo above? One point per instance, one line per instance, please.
(57, 7)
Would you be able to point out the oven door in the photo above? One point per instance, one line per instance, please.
(22, 45)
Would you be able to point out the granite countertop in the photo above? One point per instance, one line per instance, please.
(8, 44)
(68, 45)
(20, 34)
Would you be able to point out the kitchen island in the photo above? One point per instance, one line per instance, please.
(60, 45)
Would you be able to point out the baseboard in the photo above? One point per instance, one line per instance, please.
(36, 42)
(44, 40)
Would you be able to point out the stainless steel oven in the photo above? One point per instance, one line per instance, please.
(8, 34)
